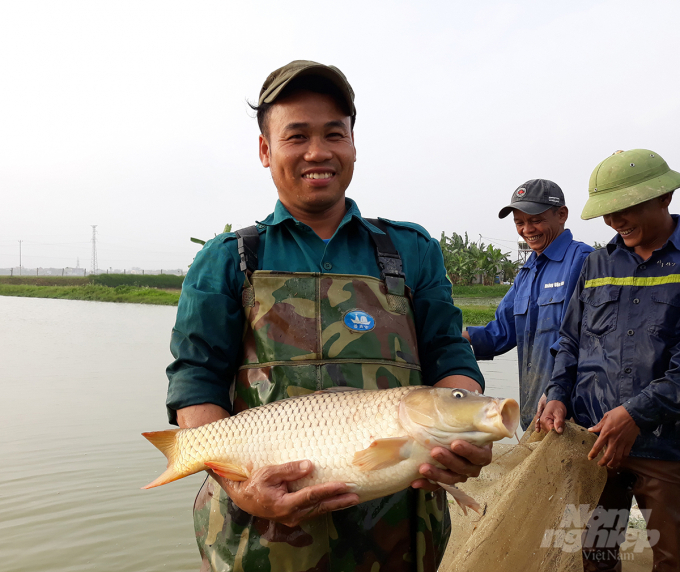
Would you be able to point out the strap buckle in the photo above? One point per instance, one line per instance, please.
(248, 241)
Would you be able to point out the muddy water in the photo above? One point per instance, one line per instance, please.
(79, 382)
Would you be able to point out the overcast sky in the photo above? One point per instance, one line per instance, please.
(133, 116)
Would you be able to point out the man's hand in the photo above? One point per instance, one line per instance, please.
(265, 494)
(617, 432)
(462, 461)
(539, 411)
(467, 336)
(553, 416)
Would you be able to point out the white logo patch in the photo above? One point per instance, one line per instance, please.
(554, 284)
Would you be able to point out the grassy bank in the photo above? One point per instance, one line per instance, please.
(112, 280)
(152, 289)
(45, 280)
(130, 288)
(143, 280)
(477, 315)
(168, 281)
(93, 292)
(479, 291)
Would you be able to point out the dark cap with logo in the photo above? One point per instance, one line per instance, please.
(534, 197)
(277, 81)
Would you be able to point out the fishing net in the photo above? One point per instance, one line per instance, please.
(536, 498)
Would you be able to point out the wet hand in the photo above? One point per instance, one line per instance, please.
(553, 417)
(462, 461)
(266, 494)
(539, 411)
(617, 432)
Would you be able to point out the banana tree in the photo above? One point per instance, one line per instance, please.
(227, 228)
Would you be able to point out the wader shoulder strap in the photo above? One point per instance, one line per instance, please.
(389, 261)
(248, 242)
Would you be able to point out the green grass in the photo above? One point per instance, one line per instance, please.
(139, 290)
(479, 291)
(94, 292)
(111, 280)
(148, 280)
(477, 315)
(45, 280)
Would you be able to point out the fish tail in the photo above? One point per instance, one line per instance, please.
(166, 443)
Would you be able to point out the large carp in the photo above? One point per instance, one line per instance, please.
(374, 441)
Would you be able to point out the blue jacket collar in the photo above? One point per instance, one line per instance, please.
(617, 241)
(281, 214)
(556, 249)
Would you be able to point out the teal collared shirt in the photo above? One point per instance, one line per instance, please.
(206, 339)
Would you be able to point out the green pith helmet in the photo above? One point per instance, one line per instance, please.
(628, 178)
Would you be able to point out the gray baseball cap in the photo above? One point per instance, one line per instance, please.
(534, 197)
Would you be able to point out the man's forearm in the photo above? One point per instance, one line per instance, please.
(459, 381)
(197, 415)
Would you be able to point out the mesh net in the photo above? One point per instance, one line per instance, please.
(533, 496)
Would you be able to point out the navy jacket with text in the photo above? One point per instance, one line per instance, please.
(620, 344)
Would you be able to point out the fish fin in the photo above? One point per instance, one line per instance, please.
(227, 470)
(293, 391)
(382, 453)
(464, 501)
(168, 476)
(165, 442)
(338, 389)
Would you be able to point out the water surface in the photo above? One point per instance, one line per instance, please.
(79, 382)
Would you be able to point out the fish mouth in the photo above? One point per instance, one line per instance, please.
(501, 418)
(509, 412)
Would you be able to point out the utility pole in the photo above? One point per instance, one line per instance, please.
(20, 257)
(94, 248)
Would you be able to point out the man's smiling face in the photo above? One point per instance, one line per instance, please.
(640, 226)
(309, 149)
(540, 230)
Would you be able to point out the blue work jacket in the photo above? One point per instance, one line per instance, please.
(620, 344)
(530, 315)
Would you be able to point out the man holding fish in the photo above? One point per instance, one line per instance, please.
(316, 297)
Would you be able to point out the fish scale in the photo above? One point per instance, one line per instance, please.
(346, 422)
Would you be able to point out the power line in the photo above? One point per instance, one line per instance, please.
(500, 239)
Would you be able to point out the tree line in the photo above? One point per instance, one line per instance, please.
(465, 260)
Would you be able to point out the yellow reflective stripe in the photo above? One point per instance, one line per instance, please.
(633, 281)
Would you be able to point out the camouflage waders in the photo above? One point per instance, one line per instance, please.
(305, 332)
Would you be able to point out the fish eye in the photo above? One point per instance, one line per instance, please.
(458, 394)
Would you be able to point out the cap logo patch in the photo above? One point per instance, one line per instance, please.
(359, 321)
(521, 192)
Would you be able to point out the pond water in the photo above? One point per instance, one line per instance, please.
(79, 382)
